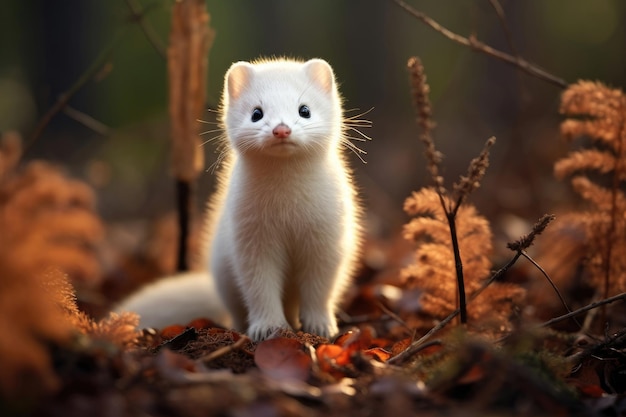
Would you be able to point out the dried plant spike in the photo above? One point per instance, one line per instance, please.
(475, 173)
(421, 102)
(420, 91)
(527, 240)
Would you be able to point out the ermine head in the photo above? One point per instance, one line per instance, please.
(282, 108)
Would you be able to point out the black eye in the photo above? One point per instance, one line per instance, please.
(304, 111)
(257, 114)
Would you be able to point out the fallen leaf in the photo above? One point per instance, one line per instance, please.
(180, 340)
(378, 353)
(202, 323)
(283, 358)
(172, 331)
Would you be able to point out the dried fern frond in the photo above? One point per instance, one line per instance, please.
(598, 112)
(47, 227)
(119, 329)
(425, 202)
(30, 320)
(586, 160)
(49, 221)
(593, 110)
(434, 270)
(598, 195)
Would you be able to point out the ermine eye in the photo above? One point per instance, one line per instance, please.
(257, 114)
(304, 111)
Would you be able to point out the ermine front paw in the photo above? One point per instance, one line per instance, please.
(260, 331)
(323, 325)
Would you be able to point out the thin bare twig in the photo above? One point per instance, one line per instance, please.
(618, 297)
(218, 353)
(87, 120)
(139, 16)
(479, 46)
(554, 287)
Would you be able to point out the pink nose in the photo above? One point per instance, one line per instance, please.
(281, 131)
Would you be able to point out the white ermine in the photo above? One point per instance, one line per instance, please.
(284, 222)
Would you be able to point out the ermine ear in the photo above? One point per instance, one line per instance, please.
(321, 72)
(237, 78)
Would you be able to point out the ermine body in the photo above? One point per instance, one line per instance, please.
(284, 222)
(286, 233)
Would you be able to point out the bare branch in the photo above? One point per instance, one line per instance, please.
(139, 16)
(87, 120)
(65, 98)
(479, 46)
(497, 7)
(618, 297)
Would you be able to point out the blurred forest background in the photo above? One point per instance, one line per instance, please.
(46, 46)
(114, 134)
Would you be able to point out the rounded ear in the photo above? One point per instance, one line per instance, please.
(237, 78)
(321, 72)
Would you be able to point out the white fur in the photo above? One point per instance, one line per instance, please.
(283, 232)
(176, 300)
(286, 233)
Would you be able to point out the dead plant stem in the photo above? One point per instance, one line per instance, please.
(458, 264)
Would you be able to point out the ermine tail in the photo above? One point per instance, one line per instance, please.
(177, 300)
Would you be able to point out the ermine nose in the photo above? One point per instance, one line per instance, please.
(281, 131)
